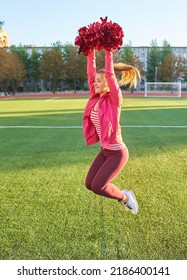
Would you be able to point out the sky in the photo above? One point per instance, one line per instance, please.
(42, 23)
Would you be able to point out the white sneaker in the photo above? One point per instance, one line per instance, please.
(132, 203)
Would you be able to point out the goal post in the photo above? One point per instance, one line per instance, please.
(161, 89)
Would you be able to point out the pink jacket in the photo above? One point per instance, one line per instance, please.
(109, 105)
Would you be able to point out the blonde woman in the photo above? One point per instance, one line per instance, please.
(101, 124)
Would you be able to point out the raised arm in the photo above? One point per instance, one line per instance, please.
(91, 71)
(115, 91)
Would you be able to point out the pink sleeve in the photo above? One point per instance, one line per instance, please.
(91, 71)
(115, 91)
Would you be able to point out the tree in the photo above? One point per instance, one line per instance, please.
(1, 24)
(52, 68)
(75, 66)
(172, 68)
(154, 60)
(23, 56)
(82, 74)
(185, 70)
(100, 59)
(166, 50)
(180, 68)
(35, 70)
(127, 55)
(12, 71)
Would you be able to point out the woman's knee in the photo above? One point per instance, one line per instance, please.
(92, 186)
(96, 187)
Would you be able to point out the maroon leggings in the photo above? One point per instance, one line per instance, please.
(104, 169)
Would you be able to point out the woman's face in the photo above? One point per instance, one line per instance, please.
(100, 83)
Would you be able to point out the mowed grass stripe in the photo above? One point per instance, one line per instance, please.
(69, 127)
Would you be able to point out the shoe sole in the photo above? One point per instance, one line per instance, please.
(134, 211)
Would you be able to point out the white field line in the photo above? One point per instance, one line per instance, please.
(74, 127)
(155, 126)
(51, 99)
(39, 126)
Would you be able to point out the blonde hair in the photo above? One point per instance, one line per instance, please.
(129, 74)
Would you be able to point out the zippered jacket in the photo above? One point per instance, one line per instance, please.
(109, 108)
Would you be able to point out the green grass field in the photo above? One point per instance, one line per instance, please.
(47, 213)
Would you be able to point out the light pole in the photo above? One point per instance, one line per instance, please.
(156, 70)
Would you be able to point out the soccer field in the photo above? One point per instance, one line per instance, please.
(47, 213)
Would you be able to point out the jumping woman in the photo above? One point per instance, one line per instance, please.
(101, 124)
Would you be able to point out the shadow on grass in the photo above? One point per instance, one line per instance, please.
(41, 112)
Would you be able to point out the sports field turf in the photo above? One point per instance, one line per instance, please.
(47, 213)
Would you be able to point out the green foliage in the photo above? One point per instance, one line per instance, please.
(70, 70)
(47, 213)
(153, 61)
(166, 50)
(35, 65)
(163, 65)
(127, 55)
(22, 54)
(1, 24)
(75, 67)
(52, 66)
